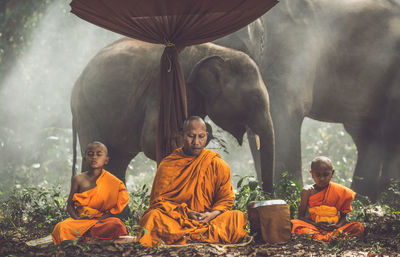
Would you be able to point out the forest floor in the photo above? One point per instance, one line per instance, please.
(370, 245)
(32, 213)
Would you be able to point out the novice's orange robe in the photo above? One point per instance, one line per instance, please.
(109, 195)
(325, 206)
(198, 183)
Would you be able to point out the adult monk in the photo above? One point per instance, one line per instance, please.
(328, 204)
(192, 196)
(95, 197)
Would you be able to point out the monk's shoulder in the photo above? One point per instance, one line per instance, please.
(79, 178)
(218, 162)
(308, 190)
(109, 176)
(219, 165)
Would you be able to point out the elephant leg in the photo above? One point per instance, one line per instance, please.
(367, 172)
(119, 163)
(390, 127)
(391, 158)
(288, 146)
(369, 162)
(390, 170)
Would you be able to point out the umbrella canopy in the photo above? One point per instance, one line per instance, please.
(176, 24)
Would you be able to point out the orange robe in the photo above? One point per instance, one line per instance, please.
(109, 195)
(325, 206)
(188, 183)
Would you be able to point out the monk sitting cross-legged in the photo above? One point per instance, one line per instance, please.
(192, 196)
(96, 195)
(328, 204)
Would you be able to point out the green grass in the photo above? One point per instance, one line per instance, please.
(33, 212)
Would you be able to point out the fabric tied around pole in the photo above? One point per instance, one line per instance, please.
(173, 105)
(177, 24)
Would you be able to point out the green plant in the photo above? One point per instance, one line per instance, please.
(339, 242)
(33, 210)
(391, 196)
(139, 201)
(289, 190)
(247, 190)
(138, 204)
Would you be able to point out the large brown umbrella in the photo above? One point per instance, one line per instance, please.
(176, 24)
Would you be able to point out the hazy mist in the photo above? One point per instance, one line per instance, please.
(35, 97)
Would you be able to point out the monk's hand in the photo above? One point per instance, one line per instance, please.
(83, 218)
(326, 226)
(321, 225)
(208, 216)
(331, 227)
(194, 215)
(104, 216)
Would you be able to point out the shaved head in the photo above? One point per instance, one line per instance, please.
(188, 122)
(321, 163)
(96, 143)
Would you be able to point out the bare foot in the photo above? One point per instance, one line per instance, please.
(125, 240)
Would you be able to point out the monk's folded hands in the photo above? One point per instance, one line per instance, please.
(208, 216)
(194, 215)
(326, 226)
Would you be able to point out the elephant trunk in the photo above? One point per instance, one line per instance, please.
(263, 151)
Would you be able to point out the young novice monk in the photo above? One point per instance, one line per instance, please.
(328, 203)
(96, 195)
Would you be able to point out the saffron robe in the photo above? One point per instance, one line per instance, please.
(109, 195)
(325, 206)
(191, 183)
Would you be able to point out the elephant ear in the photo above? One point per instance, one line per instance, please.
(206, 78)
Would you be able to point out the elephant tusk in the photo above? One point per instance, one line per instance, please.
(258, 144)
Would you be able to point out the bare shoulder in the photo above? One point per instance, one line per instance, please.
(79, 178)
(312, 189)
(307, 190)
(308, 187)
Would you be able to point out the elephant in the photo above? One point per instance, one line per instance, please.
(115, 100)
(332, 61)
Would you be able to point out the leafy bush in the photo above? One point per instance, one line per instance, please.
(138, 204)
(247, 190)
(139, 201)
(391, 196)
(289, 190)
(33, 210)
(382, 217)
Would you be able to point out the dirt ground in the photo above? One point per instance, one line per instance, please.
(370, 245)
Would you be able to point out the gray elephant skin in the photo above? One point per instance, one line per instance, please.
(334, 61)
(115, 100)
